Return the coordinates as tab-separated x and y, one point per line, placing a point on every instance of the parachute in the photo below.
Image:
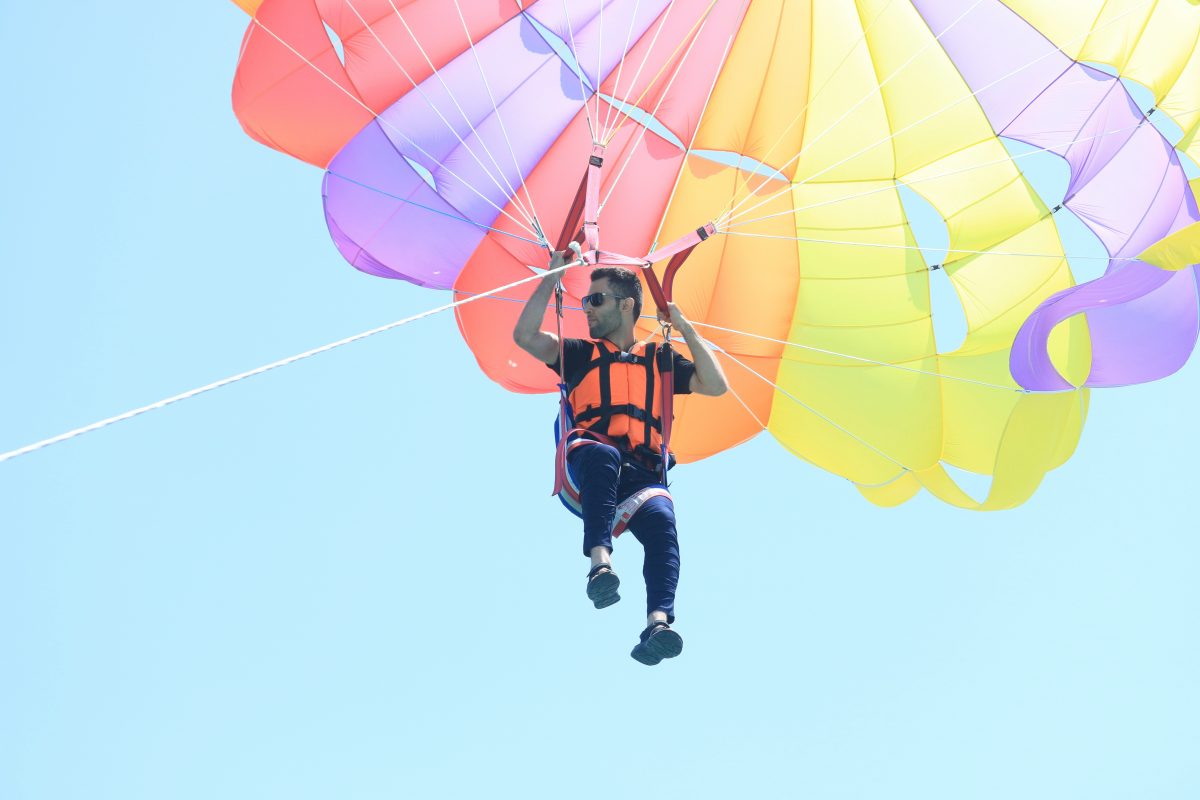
458	135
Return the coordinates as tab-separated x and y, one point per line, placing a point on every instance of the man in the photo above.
608	378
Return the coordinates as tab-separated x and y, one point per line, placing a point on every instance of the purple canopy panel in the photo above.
1127	186
375	213
389	219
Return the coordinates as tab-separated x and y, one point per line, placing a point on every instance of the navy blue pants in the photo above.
603	482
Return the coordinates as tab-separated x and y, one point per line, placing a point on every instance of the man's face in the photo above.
606	319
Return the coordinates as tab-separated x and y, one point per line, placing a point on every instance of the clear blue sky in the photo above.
346	579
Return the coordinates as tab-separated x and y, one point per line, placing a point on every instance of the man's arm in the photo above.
528	334
709	378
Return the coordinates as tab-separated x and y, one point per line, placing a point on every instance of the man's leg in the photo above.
654	527
597	469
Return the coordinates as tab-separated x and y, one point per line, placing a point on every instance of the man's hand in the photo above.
709	378
672	316
560	257
540	344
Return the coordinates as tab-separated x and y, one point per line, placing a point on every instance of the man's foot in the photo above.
602	586
657	642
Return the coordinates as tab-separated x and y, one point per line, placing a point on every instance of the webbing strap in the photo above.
569	441
666	371
591	213
570	228
605	388
650	420
682	243
631	505
628	410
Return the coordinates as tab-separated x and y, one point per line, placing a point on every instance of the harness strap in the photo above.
605	388
591	213
666	369
629	410
648	416
628	507
568	442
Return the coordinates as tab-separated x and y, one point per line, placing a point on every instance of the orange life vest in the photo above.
620	396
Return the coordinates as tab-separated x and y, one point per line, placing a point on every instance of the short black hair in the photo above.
625	283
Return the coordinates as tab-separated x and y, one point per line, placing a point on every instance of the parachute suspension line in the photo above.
638	73
878	90
873	362
620	68
695	132
744	404
903	470
693	35
600	62
370	188
812	410
578	70
500	119
884	246
564	423
383	122
807	103
507	188
275	365
939	176
666	91
242	49
834	353
730	216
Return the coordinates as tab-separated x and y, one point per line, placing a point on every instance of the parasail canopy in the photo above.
455	137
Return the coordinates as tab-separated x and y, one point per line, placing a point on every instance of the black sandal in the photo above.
657	642
602	586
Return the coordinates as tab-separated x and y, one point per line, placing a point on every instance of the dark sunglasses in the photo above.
596	299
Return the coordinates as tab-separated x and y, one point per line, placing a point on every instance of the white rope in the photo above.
744	404
939	176
812	410
695	132
730	216
807	103
869	95
578	70
599	59
638	73
693	34
620	68
666	90
383	121
903	470
507	188
919	248
499	118
871	361
268	367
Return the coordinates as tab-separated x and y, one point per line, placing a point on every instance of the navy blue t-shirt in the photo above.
578	353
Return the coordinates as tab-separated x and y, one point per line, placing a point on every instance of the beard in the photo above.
599	328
